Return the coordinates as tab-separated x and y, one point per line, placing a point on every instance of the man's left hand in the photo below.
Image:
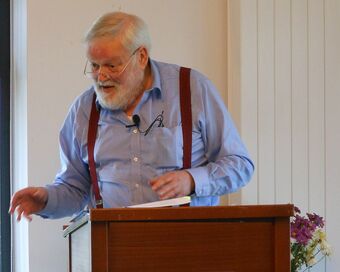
173	184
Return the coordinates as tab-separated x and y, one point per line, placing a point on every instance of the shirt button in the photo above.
135	159
135	131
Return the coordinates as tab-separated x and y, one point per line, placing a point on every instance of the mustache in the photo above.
101	84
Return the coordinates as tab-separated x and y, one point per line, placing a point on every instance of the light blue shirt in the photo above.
127	160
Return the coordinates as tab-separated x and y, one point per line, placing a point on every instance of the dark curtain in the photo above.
5	230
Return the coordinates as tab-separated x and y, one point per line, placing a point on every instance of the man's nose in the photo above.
102	75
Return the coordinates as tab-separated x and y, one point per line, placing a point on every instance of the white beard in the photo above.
119	98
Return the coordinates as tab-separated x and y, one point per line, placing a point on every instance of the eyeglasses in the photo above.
92	70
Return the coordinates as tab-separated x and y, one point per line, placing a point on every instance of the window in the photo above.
5	230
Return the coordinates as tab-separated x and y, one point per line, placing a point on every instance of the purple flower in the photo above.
301	231
302	228
316	220
296	210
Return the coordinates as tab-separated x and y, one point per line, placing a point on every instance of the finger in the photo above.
13	207
168	190
16	199
20	204
24	209
19	213
160	181
157	184
27	216
169	194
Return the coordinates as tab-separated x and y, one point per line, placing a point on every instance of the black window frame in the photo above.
5	86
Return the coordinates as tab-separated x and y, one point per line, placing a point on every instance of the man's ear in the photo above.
143	57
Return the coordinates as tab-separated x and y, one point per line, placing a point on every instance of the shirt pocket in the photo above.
163	148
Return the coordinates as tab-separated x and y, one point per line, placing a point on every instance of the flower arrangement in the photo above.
308	240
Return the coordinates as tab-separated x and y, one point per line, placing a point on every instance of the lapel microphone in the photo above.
136	123
135	120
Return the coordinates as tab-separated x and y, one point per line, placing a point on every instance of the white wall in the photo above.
284	78
47	75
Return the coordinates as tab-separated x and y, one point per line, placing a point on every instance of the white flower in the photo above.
319	235
311	261
325	248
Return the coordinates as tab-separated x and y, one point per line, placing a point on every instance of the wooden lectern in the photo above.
223	238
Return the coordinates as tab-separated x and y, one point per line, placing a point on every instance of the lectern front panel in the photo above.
191	246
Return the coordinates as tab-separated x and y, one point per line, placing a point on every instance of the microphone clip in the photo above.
135	120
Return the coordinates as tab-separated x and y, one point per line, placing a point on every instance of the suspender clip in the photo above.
99	203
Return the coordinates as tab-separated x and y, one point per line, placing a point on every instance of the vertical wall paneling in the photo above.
249	91
300	100
233	69
316	110
332	127
266	101
288	105
316	106
283	99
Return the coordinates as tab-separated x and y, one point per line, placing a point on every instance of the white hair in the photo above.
130	29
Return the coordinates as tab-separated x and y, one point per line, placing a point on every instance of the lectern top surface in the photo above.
192	213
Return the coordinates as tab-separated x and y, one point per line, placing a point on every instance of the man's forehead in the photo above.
108	48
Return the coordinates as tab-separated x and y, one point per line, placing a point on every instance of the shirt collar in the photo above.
156	84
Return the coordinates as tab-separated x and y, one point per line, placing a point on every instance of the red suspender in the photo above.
185	104
185	100
91	140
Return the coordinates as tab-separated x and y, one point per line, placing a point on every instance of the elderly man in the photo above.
125	141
